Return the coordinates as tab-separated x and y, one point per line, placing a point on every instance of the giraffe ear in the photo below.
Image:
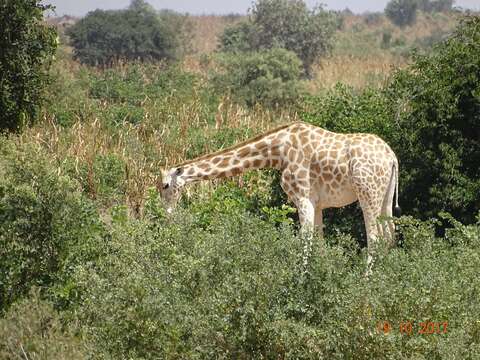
179	171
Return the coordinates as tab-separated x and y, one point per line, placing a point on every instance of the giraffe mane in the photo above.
234	147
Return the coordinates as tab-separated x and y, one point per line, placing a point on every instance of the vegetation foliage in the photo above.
137	33
435	5
402	12
286	24
27	49
91	266
270	77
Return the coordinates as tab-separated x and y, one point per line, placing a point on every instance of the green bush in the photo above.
121	94
238	289
102	178
373	18
344	109
437	107
270	78
27	47
287	24
32	329
46	226
136	83
402	12
66	96
137	33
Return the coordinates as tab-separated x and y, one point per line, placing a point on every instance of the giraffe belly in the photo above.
326	195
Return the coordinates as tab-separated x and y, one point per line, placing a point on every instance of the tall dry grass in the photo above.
171	132
206	30
354	71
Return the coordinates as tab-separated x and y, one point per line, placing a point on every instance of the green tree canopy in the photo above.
137	33
439	128
402	12
26	47
269	77
285	24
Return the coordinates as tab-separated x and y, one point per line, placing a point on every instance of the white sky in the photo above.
81	7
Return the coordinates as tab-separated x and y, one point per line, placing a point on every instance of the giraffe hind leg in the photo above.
373	229
371	204
388	226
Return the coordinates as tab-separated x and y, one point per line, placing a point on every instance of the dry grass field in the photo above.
358	57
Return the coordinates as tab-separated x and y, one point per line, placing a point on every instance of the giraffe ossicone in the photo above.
320	169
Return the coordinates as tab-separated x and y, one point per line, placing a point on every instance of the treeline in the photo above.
103	38
404	12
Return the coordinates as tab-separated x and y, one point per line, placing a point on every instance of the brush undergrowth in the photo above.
215	280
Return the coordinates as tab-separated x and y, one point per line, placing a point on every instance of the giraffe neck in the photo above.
265	152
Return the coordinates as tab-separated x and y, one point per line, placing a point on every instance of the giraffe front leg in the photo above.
299	196
306	212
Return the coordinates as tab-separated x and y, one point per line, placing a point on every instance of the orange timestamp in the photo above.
412	327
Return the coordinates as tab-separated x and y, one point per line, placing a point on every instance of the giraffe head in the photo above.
170	186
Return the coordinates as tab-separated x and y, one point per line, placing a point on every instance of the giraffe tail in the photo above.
397	211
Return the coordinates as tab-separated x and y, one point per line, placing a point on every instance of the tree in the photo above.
438	137
285	24
269	77
137	33
435	5
402	12
27	46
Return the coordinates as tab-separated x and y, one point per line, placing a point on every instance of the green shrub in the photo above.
287	24
402	12
237	38
46	226
238	289
27	47
437	107
137	33
386	39
344	109
109	176
103	178
135	83
122	94
270	78
32	329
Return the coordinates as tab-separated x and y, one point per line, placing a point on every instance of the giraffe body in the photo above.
320	169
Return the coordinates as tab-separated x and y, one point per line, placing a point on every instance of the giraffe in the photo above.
319	169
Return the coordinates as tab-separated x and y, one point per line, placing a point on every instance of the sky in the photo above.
196	7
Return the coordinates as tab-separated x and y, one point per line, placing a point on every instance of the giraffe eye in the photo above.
165	186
